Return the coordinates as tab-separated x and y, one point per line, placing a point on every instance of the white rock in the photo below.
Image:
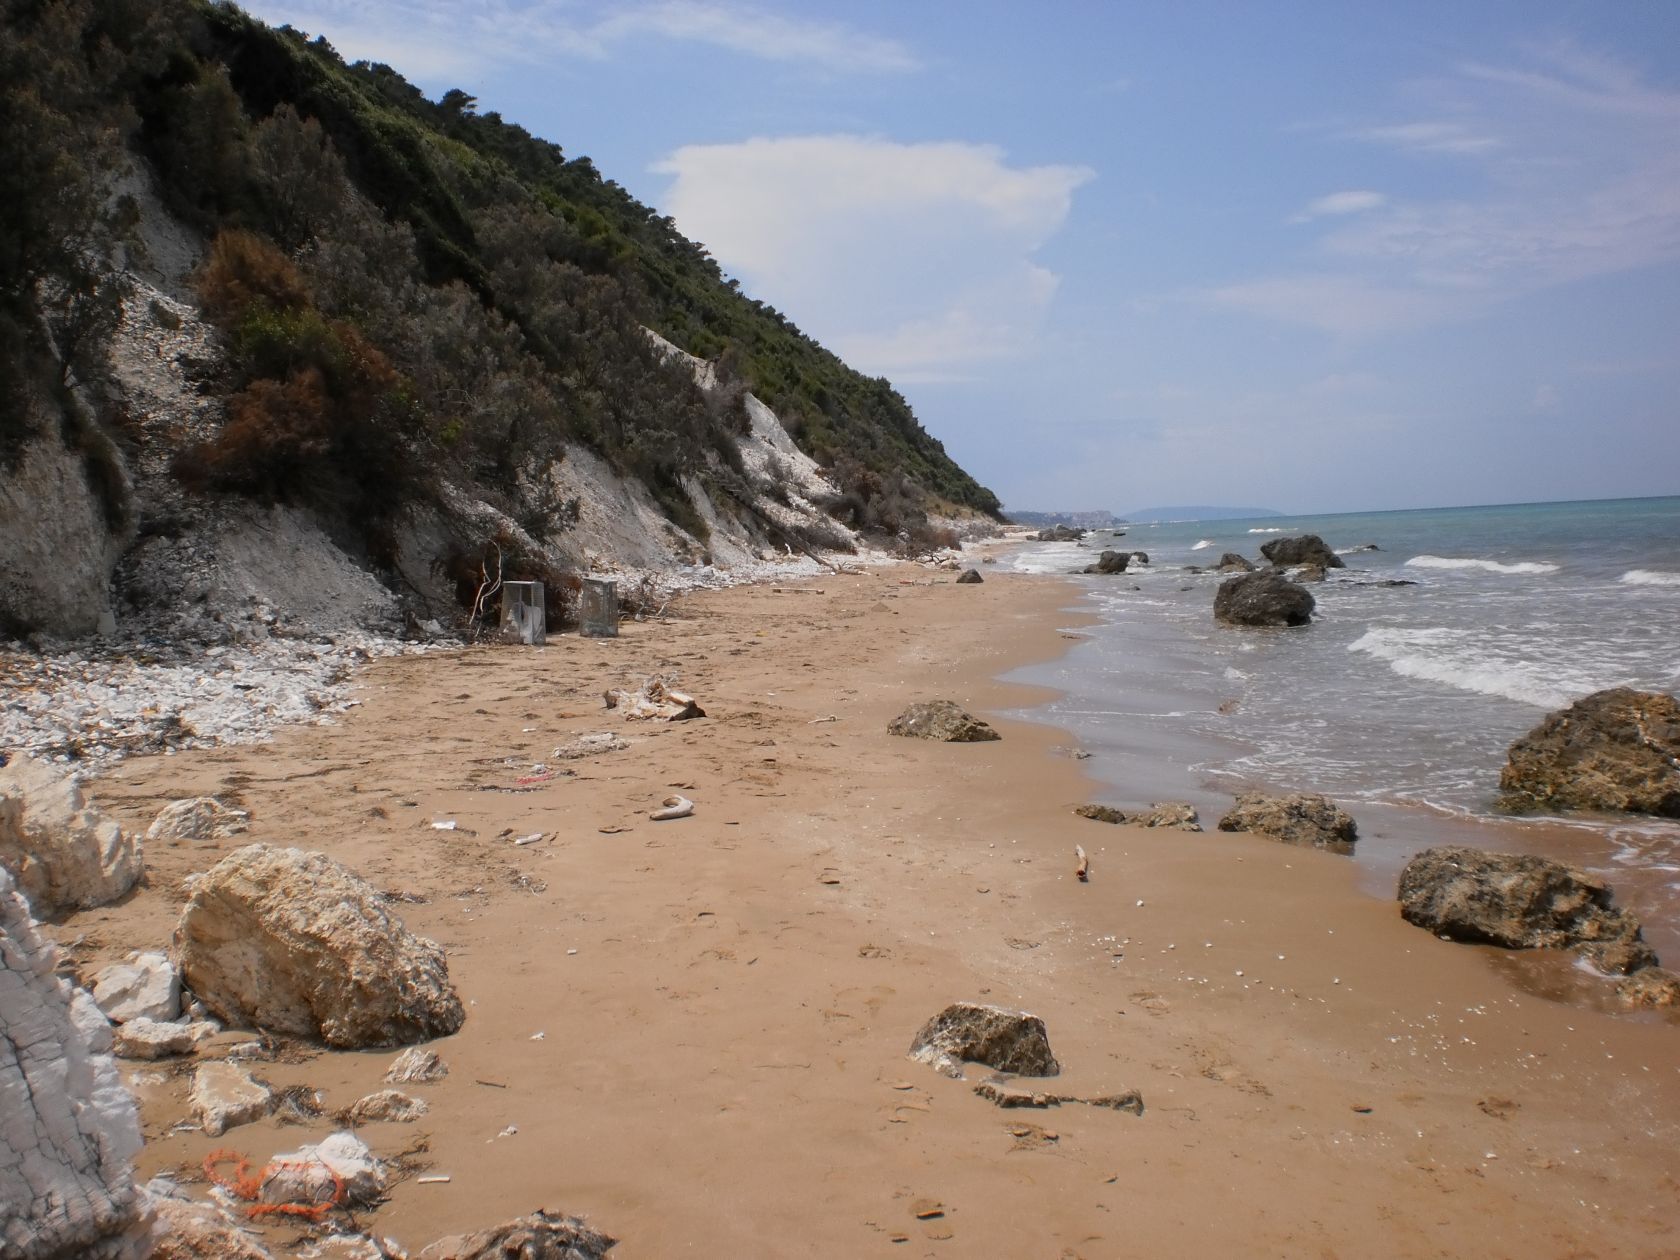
386	1104
198	818
146	987
68	1129
199	1231
150	1039
307	1175
293	941
416	1065
224	1096
63	853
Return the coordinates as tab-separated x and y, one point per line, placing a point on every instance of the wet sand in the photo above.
721	1064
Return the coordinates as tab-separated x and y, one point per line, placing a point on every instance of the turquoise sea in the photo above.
1398	701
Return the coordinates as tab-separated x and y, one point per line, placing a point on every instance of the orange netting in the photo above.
243	1184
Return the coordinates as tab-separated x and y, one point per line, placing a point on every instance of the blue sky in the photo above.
1316	256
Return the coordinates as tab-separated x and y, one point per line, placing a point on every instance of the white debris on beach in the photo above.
102	703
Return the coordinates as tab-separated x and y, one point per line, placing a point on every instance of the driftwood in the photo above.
673	807
1083	870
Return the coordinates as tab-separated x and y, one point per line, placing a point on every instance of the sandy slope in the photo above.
721	1069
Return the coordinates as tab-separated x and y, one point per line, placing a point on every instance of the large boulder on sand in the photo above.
1262	599
1613	750
942	720
1307	549
68	1128
1303	818
64	854
292	941
969	1032
1520	902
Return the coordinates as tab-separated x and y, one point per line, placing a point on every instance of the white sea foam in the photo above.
1273	530
1650	577
1459	658
1490	566
1206	542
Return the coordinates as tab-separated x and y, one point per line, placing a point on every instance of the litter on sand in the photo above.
673	807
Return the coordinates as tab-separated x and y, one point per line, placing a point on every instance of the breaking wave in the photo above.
1490	566
1650	577
1458	659
1273	530
1206	542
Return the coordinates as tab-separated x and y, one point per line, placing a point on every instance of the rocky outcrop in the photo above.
1059	533
1614	750
147	986
1303	818
1306	549
292	941
68	1128
543	1235
1231	562
196	820
941	720
969	1032
1262	599
64	853
1519	901
1173	814
969	577
1109	562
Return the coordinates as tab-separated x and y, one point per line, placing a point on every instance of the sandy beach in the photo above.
693	1032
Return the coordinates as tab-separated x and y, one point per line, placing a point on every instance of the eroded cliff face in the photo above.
69	1130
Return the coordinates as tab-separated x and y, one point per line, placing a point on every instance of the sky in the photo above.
1318	257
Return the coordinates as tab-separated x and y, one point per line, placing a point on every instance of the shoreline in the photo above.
723	1057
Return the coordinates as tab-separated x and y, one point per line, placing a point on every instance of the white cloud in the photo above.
437	39
911	259
1573	173
1354	201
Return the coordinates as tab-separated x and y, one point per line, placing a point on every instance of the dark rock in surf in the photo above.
1109	562
1614	750
1304	818
1262	599
1233	563
1654	988
1307	573
1519	901
1059	533
1307	549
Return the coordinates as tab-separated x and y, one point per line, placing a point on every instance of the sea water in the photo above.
1396	696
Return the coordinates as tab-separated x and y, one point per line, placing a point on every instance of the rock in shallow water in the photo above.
1262	599
1520	902
293	941
1304	818
1613	750
969	1032
1306	549
941	720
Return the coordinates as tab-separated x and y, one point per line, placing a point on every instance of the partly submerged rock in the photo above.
68	1129
223	1097
1266	598
1613	750
1109	562
1303	818
543	1235
942	720
1173	814
1307	573
63	852
416	1065
1654	988
292	941
197	819
147	986
969	1032
1231	562
1520	901
1305	549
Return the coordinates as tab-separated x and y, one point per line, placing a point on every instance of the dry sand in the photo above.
721	1063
